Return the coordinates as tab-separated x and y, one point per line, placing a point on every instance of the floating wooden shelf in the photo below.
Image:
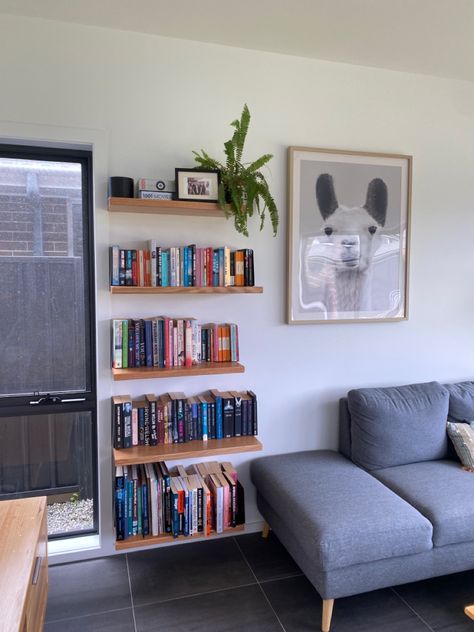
138	540
165	207
189	450
205	368
124	289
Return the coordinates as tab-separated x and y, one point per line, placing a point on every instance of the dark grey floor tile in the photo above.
441	601
87	588
187	569
223	611
117	621
299	608
267	556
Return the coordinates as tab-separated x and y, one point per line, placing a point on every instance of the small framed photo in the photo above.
197	186
349	236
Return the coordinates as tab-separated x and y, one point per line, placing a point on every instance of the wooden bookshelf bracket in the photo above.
138	540
124	289
165	207
205	368
188	450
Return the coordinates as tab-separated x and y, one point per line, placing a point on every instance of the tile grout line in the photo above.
199	594
281	577
131	594
412	609
259	584
84	616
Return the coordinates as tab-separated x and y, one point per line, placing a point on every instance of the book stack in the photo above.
181	266
163	342
152	499
175	418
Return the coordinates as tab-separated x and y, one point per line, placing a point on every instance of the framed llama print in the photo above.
349	235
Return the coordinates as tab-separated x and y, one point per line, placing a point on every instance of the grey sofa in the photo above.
392	506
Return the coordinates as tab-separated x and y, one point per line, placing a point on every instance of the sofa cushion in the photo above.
461	401
398	425
462	436
340	514
440	490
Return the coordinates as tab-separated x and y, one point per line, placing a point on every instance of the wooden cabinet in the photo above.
23	565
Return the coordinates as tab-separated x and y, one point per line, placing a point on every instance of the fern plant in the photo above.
243	188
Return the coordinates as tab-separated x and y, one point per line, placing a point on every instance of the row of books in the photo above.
152	499
175	418
163	342
185	266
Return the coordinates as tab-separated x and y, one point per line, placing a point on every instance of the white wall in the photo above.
146	102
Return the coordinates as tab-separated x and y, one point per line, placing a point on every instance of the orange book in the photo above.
220	355
239	268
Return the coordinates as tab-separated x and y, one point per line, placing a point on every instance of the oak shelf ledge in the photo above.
205	368
188	450
130	289
148	540
165	207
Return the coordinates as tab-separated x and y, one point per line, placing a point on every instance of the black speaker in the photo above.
120	187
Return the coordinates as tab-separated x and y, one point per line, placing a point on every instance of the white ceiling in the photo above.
426	36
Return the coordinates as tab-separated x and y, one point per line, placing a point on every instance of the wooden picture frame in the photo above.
197	185
348	236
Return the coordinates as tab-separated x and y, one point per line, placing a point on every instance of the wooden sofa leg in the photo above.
265	530
328	605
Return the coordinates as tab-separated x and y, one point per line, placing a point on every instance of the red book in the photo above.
210	256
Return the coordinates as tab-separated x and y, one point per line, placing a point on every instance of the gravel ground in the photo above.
70	516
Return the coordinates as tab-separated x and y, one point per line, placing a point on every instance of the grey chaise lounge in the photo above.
393	506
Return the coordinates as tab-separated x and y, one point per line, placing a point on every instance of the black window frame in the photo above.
20	405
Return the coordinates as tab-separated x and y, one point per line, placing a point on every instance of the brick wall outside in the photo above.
46	208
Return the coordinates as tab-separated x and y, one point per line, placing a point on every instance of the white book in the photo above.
117	344
196	342
134	426
153	491
152	249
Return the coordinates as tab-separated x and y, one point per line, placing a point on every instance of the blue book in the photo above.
174	509
215	268
192	264
185	279
119	504
130	506
204	420
219	425
195	420
148	343
127	423
165	268
128	268
221	266
141	425
114	265
145	516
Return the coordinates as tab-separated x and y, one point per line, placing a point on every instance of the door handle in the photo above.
54	399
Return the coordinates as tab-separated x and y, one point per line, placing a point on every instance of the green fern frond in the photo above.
245	185
256	164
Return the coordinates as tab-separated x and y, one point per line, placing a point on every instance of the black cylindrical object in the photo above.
120	187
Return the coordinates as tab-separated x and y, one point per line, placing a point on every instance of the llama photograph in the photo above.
348	236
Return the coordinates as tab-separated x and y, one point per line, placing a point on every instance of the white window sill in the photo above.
71	547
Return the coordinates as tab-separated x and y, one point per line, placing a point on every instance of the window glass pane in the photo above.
51	455
43	309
